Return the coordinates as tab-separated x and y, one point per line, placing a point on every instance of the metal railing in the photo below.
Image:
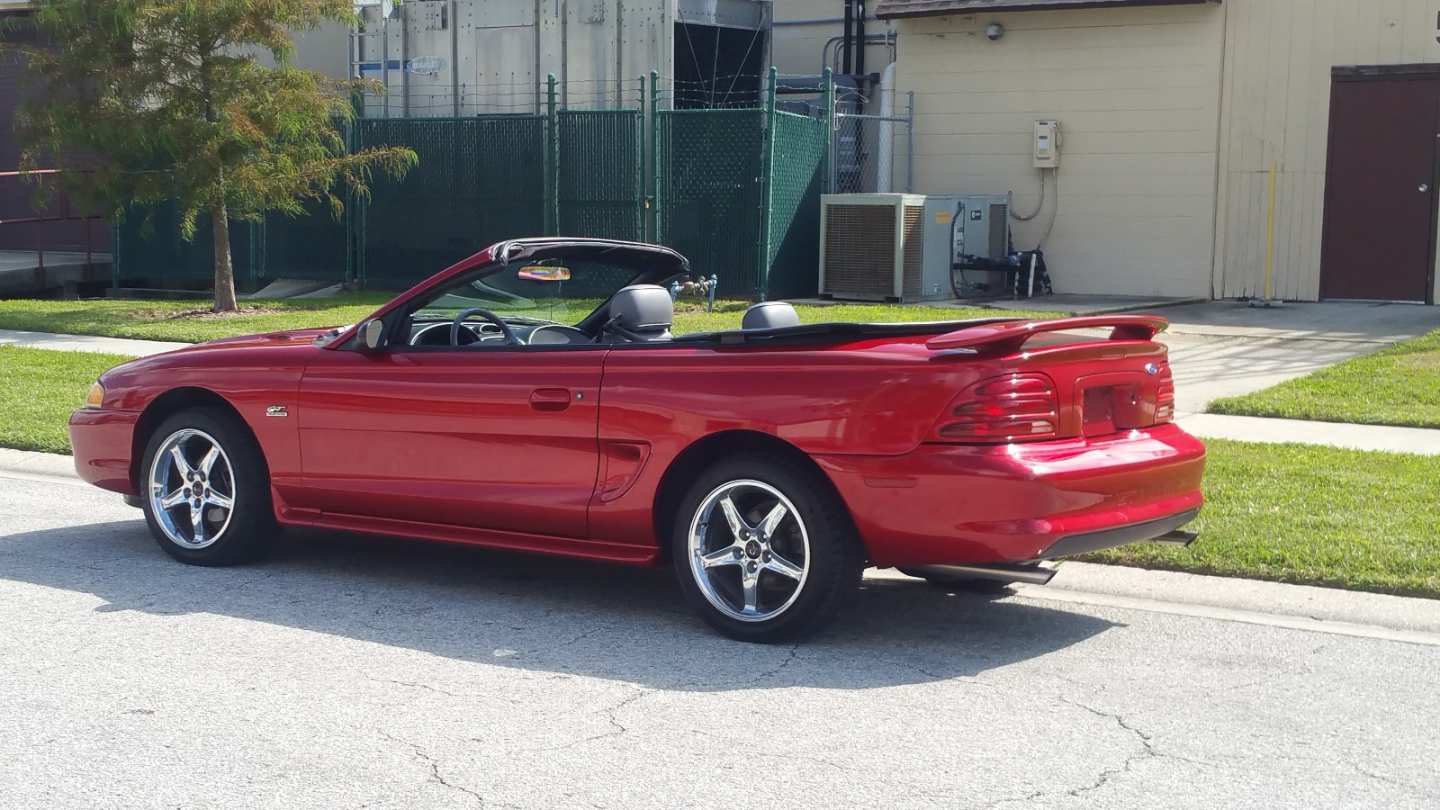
870	153
27	232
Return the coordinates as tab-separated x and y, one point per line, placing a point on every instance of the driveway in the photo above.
350	674
1225	348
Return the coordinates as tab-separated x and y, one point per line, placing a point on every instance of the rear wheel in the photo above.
205	490
764	550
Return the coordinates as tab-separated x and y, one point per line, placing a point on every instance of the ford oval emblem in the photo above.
1152	369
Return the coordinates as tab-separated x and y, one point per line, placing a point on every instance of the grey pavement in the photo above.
86	343
1225	348
360	673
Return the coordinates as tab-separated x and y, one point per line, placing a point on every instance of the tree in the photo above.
149	101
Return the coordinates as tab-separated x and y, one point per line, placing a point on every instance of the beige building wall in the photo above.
1137	95
1279	55
802	27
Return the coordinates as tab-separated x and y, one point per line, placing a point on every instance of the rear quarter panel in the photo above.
872	398
876	398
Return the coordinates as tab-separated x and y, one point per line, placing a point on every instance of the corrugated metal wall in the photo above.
499	51
1278	60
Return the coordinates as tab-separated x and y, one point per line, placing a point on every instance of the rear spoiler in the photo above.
1009	336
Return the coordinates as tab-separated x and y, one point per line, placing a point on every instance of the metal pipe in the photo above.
385	62
910	145
620	55
884	163
404	59
1029	574
455	58
860	38
845	36
834	62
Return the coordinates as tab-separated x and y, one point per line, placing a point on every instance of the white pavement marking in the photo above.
86	343
1420	441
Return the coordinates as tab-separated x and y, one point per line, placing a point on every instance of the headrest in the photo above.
642	307
770	315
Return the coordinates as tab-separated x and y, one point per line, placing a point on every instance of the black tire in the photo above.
251	527
835	561
958	583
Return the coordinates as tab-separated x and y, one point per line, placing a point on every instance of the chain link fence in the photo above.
872	152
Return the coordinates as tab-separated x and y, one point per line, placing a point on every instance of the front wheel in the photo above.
205	489
764	550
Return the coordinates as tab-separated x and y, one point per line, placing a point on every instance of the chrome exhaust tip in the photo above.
1029	574
1177	538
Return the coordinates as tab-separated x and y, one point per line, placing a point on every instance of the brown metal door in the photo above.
1381	188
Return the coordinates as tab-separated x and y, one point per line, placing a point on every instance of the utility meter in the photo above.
1047	144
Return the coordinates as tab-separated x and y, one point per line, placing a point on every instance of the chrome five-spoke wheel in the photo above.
192	488
749	550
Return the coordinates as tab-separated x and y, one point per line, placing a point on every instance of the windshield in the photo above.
559	291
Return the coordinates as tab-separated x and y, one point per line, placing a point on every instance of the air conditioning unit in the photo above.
905	247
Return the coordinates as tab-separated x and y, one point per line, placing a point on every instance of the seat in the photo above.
769	315
640	313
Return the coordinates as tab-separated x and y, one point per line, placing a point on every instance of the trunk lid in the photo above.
1107	375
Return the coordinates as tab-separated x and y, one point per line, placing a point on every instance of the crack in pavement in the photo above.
434	764
770	673
415	685
1147	751
616	727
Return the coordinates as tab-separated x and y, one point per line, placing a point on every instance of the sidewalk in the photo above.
1420	441
86	343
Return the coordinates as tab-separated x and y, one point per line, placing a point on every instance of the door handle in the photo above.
550	399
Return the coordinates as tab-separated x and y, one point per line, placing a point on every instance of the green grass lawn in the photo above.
190	321
38	390
186	321
1315	515
1396	386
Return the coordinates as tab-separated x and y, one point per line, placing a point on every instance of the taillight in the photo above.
1013	408
1165	395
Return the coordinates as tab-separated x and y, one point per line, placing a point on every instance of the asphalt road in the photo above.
352	674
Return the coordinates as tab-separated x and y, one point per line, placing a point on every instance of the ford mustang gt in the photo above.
533	397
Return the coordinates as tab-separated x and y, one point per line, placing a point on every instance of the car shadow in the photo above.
541	614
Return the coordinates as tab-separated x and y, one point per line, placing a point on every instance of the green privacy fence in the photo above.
149	245
479	180
736	190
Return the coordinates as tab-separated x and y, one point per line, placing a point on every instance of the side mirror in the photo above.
372	334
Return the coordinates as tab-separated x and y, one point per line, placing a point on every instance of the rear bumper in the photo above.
102	444
952	504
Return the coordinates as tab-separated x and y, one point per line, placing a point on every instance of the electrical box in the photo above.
1047	144
908	247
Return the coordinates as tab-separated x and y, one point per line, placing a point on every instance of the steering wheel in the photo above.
459	321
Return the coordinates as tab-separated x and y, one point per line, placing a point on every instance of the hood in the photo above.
289	337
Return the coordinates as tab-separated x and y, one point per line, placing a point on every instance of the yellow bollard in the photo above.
1270	239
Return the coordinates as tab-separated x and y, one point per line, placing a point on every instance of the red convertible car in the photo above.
532	397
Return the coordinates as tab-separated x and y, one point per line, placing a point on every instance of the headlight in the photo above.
96	396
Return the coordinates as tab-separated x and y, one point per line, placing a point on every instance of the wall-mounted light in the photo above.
994	31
